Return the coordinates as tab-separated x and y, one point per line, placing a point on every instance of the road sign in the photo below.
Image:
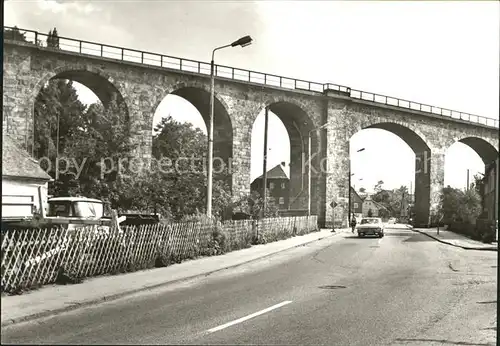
333	204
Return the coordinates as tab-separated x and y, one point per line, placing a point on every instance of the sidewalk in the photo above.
53	299
458	240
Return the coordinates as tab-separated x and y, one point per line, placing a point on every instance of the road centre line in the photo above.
239	320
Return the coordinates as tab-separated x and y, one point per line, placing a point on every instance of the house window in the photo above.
355	205
283	185
271	186
282	200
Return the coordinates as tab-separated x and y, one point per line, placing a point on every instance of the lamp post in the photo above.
309	167
264	175
243	42
349	209
349	188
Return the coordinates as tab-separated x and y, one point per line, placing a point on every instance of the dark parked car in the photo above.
241	216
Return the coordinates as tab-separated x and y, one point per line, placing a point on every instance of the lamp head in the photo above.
243	42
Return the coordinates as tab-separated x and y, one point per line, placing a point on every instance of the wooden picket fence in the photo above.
32	258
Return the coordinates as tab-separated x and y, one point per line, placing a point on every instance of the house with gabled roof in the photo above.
370	205
24	182
277	185
356	203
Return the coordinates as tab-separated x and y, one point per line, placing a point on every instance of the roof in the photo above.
377	204
276	172
74	199
355	193
17	163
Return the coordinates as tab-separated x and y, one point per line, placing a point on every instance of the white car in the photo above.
370	226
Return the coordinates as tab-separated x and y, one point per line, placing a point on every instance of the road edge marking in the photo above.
243	319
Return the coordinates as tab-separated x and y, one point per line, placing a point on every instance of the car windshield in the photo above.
89	210
367	221
85	209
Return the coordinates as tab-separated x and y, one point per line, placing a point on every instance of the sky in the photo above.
440	53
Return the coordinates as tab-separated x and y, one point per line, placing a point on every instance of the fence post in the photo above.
80	45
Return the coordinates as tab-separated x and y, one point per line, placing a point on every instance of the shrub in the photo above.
162	260
198	217
253	204
219	244
485	230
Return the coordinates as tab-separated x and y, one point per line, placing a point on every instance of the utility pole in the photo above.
57	148
403	204
264	189
411	192
467	180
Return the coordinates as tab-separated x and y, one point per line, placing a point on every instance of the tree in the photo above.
53	39
478	186
86	136
14	34
100	143
184	146
470	206
384	213
50	39
396	201
459	206
378	186
362	190
253	204
94	143
56	107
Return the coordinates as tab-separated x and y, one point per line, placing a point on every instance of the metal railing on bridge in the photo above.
193	66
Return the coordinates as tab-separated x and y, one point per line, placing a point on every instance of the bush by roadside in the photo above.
485	230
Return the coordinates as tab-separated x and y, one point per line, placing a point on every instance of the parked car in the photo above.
370	226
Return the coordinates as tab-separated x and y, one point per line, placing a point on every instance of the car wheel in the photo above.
360	235
381	235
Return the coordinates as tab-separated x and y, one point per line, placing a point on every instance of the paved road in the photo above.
403	289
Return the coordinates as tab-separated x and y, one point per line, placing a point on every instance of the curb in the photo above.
97	301
455	245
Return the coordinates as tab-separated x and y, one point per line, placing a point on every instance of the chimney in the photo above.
283	163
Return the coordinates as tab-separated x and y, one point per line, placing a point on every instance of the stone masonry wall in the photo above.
142	88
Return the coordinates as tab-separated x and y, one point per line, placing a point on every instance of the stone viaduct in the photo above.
142	80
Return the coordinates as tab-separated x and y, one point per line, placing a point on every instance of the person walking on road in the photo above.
353	223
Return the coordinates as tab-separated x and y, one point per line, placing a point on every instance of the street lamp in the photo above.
349	187
243	42
309	167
